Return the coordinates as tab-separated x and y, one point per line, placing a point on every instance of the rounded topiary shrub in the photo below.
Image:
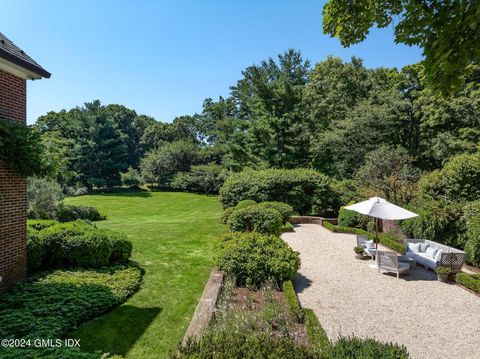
285	210
245	203
68	213
226	214
253	258
257	219
305	190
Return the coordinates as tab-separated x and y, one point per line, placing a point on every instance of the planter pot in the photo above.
442	277
359	255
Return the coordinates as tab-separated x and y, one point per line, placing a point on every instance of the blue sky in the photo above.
163	58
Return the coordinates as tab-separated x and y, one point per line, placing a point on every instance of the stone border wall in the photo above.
311	219
206	305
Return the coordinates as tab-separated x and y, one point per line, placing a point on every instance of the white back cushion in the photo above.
431	252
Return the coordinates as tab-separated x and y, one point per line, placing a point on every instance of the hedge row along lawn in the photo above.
173	237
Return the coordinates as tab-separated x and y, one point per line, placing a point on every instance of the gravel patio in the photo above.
432	319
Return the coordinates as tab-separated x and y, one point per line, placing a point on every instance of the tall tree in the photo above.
448	32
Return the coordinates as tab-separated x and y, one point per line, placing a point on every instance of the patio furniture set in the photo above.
428	253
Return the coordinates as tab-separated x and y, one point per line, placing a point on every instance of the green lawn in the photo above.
173	237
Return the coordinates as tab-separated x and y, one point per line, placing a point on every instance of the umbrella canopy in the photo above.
379	208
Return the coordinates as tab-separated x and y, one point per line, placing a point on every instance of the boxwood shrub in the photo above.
226	214
292	300
257	219
285	209
51	304
68	213
347	218
74	244
245	203
471	281
252	258
307	191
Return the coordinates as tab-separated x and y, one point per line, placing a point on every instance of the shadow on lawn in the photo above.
117	331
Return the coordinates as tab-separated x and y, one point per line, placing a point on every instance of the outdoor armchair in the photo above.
389	262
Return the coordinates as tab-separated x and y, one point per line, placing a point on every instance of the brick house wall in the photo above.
13	198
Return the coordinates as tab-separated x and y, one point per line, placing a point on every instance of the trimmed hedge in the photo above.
226	215
51	304
245	203
315	332
74	244
366	348
307	191
69	213
285	209
471	281
253	258
388	239
255	219
292	301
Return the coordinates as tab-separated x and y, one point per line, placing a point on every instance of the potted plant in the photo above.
359	252
442	273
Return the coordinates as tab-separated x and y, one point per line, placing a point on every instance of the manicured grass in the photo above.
173	237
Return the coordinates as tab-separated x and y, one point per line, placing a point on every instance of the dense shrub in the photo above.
366	348
458	180
75	244
347	218
68	213
245	203
257	219
226	214
472	220
201	178
305	190
43	198
39	224
131	178
230	344
292	300
285	210
471	281
254	258
51	304
439	221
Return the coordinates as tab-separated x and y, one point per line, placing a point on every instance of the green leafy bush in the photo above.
458	180
285	209
257	219
292	301
471	215
51	304
220	344
245	203
131	178
305	190
43	197
471	281
201	178
69	213
75	244
366	348
21	148
226	214
39	224
439	221
254	258
347	218
315	332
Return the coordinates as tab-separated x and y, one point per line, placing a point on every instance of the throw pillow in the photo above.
369	244
424	247
431	252
414	247
438	255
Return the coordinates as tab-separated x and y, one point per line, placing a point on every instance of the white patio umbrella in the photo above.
379	208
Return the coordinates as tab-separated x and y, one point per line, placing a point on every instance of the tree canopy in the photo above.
448	32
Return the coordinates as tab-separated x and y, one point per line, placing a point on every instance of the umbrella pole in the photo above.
376	234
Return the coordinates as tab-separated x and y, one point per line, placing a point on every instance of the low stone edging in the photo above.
206	305
311	219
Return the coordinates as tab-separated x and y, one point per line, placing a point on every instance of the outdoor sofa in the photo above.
431	254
